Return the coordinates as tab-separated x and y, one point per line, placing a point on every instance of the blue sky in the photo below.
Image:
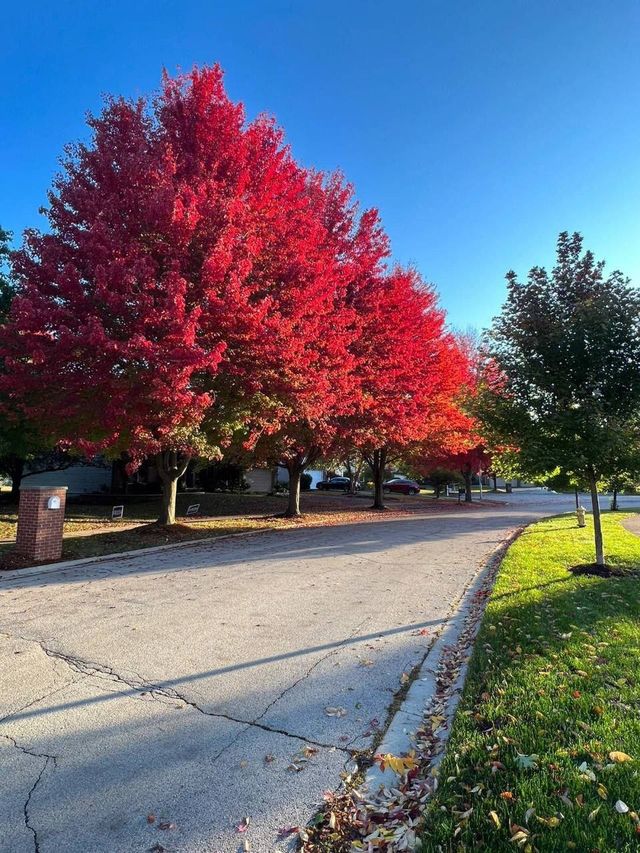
479	129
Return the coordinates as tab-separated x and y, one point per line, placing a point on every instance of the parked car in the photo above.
402	485
341	483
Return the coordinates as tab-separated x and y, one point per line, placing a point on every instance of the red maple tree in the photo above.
197	284
151	319
307	374
410	371
467	452
472	460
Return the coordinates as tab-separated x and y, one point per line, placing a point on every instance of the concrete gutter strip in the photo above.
400	737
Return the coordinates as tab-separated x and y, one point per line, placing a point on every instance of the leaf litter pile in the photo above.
389	819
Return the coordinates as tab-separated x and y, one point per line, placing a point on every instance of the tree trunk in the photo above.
467	486
355	474
378	463
171	466
16	472
614	502
119	477
597	523
495	483
169	495
437	489
293	506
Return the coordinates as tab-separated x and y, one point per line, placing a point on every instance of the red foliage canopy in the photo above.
192	273
312	377
410	369
196	281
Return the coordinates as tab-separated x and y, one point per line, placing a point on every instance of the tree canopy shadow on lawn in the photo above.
554	681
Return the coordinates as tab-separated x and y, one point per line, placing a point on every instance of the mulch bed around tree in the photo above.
597	569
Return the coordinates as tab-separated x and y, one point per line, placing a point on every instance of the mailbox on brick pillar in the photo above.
40	522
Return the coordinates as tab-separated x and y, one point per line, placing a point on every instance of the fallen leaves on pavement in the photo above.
356	820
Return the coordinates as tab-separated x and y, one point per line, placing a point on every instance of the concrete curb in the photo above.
400	736
30	571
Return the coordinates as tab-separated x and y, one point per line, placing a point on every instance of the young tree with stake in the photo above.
567	345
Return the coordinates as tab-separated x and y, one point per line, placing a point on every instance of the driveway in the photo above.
154	702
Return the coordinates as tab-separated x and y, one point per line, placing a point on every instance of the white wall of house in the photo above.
316	476
79	479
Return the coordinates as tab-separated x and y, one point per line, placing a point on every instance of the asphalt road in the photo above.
162	699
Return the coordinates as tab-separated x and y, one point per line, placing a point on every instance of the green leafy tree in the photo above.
440	478
19	442
15	441
625	474
566	347
504	464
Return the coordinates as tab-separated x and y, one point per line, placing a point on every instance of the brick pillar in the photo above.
40	522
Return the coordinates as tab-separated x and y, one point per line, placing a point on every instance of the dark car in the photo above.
402	485
341	483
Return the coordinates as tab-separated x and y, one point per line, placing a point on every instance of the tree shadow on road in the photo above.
307	544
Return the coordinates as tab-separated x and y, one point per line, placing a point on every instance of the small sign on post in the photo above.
117	512
193	509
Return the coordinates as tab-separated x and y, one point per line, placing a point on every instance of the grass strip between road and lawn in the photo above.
544	752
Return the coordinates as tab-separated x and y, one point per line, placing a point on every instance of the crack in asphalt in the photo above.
25	809
320	660
93	669
298	681
35	701
38	699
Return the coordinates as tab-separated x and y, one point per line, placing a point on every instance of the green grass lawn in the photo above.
553	692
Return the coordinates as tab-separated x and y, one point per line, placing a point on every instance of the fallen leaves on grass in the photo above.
527	762
619	757
533	676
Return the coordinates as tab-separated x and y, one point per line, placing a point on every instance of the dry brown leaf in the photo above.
619	757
